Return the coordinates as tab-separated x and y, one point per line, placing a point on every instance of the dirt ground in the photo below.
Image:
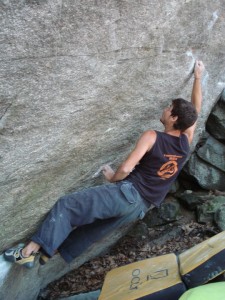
137	245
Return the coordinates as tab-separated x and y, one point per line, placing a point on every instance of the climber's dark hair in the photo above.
186	113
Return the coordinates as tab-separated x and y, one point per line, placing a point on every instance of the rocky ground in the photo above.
140	243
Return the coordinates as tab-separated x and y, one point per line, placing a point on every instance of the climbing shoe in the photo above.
14	255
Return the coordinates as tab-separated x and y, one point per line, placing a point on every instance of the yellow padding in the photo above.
200	253
204	261
141	278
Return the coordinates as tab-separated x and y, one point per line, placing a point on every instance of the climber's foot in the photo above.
15	255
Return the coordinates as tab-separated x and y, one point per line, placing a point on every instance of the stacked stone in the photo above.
207	164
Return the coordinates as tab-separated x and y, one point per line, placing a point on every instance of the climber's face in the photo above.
166	115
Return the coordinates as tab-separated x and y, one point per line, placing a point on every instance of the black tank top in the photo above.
159	167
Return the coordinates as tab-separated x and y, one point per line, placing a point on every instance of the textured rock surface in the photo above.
80	81
206	212
207	165
89	296
207	176
219	218
167	213
216	121
191	199
213	152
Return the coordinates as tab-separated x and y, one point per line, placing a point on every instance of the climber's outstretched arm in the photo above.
196	96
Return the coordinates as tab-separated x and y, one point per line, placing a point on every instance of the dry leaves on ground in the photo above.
90	276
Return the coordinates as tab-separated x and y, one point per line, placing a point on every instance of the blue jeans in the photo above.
81	218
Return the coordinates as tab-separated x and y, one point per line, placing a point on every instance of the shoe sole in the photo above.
27	262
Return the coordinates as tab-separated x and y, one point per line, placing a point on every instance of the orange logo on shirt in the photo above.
169	168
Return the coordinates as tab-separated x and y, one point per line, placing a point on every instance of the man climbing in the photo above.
140	183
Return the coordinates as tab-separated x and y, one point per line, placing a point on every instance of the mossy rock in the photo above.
206	211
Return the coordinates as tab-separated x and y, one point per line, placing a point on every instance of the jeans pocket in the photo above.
127	190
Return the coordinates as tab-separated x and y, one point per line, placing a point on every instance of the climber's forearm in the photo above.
196	97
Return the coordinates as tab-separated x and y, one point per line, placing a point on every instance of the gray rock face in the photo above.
80	81
191	199
216	121
213	152
207	176
167	213
219	217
